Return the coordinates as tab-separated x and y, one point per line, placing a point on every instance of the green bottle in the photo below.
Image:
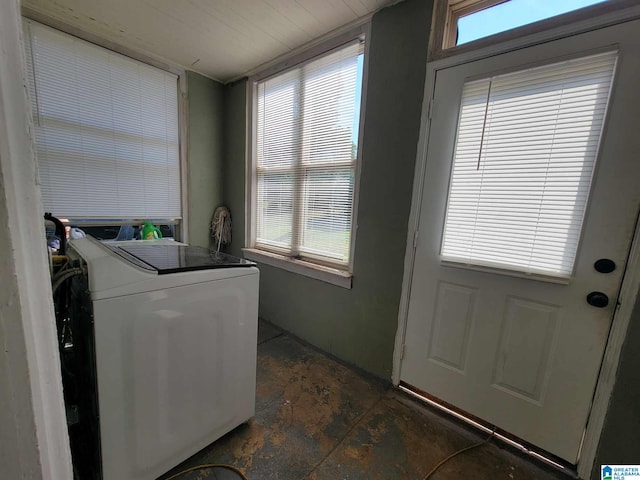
150	231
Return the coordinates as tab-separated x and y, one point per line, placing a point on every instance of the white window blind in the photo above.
306	149
524	157
106	130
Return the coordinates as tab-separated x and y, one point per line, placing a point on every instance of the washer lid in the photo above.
172	258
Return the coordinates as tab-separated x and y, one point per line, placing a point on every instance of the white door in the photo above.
498	330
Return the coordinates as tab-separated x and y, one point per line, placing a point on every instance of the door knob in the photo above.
604	265
598	299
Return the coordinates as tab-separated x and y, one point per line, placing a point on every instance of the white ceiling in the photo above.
222	39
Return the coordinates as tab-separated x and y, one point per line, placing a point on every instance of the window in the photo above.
483	19
305	151
106	131
458	23
524	156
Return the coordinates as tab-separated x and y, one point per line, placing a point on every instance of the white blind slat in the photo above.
523	161
106	130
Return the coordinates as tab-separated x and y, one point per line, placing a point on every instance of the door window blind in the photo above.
106	130
523	161
306	149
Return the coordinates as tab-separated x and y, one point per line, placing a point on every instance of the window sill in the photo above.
330	275
539	276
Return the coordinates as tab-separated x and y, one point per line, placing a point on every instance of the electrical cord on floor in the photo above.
454	454
211	465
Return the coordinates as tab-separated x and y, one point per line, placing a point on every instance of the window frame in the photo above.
461	8
446	13
181	224
308	265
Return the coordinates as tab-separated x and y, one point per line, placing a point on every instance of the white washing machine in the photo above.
175	330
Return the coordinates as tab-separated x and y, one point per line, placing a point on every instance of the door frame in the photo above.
630	287
34	416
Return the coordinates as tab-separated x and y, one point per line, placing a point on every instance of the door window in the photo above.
525	153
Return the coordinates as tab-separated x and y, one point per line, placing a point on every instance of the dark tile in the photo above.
306	404
396	440
267	331
317	419
315	385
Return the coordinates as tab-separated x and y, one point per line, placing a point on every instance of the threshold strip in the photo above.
501	435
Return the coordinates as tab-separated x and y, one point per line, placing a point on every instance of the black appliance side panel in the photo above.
81	378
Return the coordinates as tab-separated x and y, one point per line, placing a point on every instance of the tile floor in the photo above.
317	419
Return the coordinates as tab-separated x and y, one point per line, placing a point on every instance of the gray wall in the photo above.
204	150
620	440
234	174
356	325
